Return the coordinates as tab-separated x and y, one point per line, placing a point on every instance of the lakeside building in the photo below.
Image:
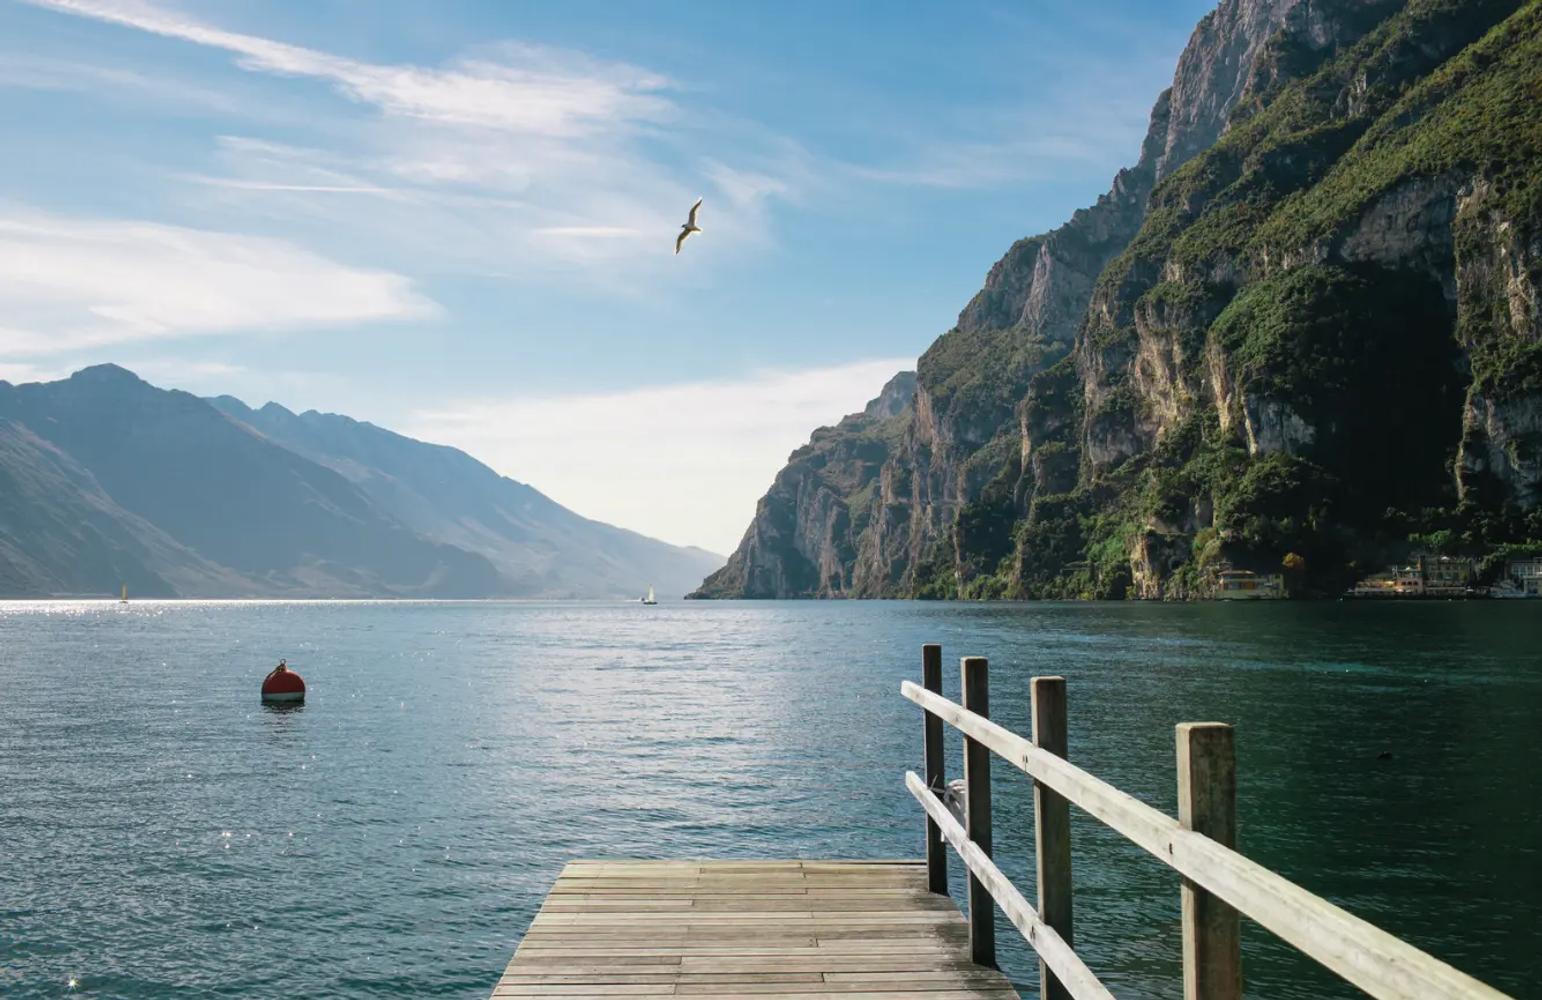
1426	576
1246	585
1447	576
1394	581
1526	573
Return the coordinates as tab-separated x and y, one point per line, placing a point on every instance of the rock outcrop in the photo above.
802	542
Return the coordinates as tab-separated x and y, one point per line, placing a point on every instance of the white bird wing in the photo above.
685	234
691	220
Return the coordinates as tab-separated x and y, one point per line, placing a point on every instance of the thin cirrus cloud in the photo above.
75	283
540	92
121	85
515	158
18	372
694	456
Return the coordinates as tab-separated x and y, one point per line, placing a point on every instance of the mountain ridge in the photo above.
487	512
173	496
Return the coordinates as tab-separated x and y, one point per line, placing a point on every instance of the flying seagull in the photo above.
689	227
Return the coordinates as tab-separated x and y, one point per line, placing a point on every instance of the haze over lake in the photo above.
165	835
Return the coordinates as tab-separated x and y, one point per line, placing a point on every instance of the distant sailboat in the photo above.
123	598
650	599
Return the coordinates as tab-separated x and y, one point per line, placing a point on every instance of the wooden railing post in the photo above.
977	790
936	775
1200	846
1052	825
1207	804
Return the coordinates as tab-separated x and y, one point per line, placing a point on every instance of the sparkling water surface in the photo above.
163	835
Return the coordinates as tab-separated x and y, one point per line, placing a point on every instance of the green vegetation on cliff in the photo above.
1282	361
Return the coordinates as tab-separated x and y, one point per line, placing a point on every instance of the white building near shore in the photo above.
1527	574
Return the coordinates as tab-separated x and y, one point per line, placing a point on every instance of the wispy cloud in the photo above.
17	372
587	232
178	373
695	456
520	88
123	85
75	283
486	202
513	158
241	184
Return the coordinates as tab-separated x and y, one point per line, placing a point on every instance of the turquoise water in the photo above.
161	834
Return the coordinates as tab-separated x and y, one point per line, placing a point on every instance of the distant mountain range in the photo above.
106	480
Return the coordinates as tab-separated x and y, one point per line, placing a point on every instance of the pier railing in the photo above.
1219	885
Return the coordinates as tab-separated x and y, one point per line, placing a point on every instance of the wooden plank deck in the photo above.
772	930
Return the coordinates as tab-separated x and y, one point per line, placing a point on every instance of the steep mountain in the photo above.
1305	322
538	546
802	540
107	480
277	522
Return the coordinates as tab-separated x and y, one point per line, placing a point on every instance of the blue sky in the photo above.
457	219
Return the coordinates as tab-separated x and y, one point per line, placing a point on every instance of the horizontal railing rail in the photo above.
1051	947
1372	959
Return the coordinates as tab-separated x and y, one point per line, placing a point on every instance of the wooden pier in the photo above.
887	930
863	930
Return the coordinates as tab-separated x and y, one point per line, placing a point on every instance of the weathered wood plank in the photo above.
708	932
1052	826
887	994
749	902
936	771
977	782
905	979
631	928
1207	804
586	990
845	991
630	964
539	978
686	918
595	954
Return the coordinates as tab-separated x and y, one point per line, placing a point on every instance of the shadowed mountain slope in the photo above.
540	547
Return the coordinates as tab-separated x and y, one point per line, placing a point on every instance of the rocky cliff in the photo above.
1304	322
803	540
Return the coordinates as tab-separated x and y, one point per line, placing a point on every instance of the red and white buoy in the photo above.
283	685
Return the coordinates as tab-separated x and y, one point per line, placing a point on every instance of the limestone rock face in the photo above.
1502	441
1498	287
1218	65
802	541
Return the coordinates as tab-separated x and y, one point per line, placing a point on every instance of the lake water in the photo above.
161	834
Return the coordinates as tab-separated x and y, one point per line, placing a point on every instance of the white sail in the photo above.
650	595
